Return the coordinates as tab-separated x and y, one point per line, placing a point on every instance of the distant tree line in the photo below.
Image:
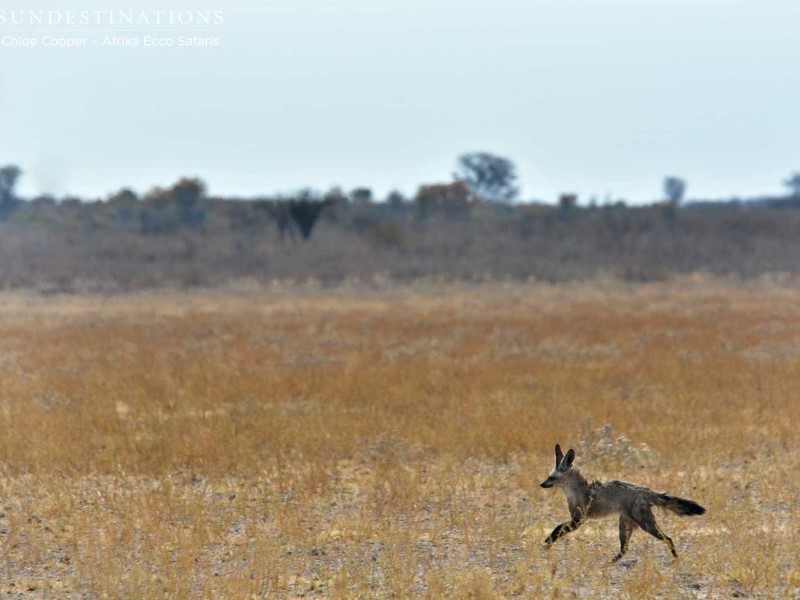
471	227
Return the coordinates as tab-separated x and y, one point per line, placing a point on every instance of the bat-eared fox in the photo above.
633	503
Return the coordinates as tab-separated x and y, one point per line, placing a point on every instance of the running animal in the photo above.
633	503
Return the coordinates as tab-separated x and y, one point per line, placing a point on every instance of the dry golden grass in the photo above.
389	443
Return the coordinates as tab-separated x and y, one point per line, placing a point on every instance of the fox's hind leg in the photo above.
626	525
647	521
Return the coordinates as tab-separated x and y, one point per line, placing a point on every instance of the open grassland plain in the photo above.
377	443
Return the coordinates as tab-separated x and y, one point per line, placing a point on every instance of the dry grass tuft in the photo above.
373	443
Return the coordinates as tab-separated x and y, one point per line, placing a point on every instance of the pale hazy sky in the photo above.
596	97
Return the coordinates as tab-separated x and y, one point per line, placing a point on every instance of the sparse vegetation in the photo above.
381	441
458	231
127	244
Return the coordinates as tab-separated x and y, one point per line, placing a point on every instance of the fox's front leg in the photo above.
562	530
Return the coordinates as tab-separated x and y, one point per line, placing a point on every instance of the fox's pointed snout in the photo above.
562	468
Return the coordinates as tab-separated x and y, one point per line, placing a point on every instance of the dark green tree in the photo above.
489	178
793	183
674	189
9	176
361	195
187	194
305	209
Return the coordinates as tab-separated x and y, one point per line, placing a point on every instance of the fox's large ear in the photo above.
568	459
559	455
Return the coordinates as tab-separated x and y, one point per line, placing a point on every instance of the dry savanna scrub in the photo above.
389	442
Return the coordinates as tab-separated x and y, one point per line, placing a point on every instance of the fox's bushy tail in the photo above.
680	506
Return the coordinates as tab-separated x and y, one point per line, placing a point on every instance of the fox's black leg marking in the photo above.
649	524
562	530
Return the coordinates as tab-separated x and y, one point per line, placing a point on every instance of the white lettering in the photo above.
15	41
64	42
126	41
108	17
198	42
156	42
